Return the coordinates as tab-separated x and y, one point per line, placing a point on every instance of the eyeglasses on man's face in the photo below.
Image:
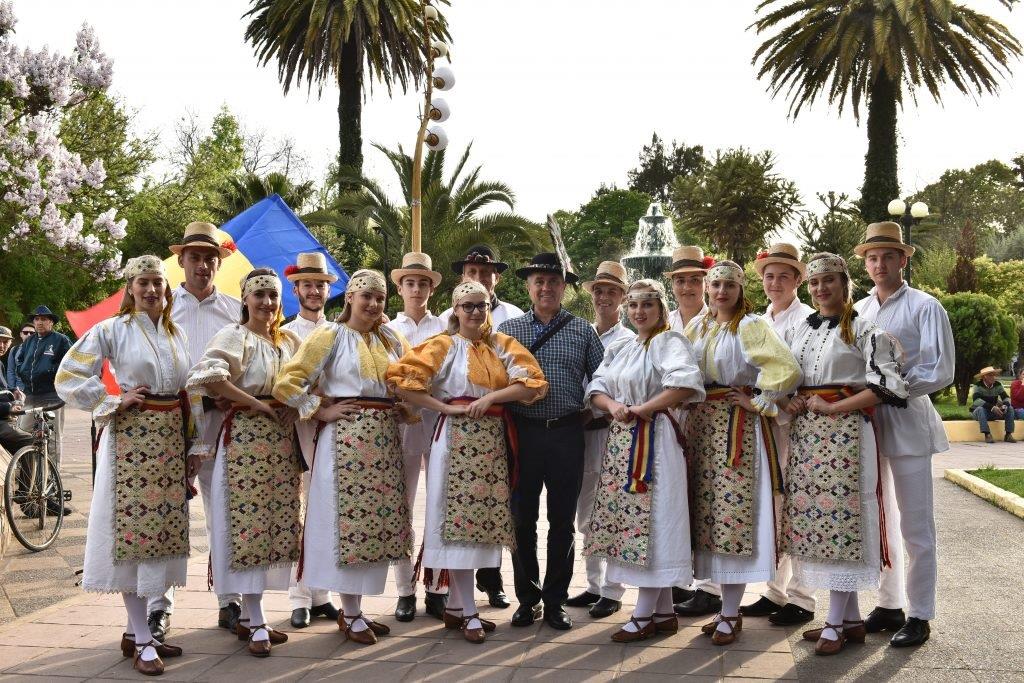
481	307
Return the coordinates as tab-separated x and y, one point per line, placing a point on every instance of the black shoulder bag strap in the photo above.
551	332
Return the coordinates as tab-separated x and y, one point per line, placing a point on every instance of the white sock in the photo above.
138	617
732	596
646	602
253	604
664	605
351	607
460	585
836	611
852	608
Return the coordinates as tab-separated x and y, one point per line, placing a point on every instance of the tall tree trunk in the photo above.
881	184
350	108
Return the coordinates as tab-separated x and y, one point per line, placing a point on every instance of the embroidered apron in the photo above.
374	523
723	470
822	516
263	476
479	480
620	526
150	509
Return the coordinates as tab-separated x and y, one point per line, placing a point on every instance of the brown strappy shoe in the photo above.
378	628
667	627
830	647
473	635
276	637
364	637
735	625
162	649
641	632
853	630
453	622
259	648
154	667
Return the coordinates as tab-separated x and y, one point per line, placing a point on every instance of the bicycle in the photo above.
34	496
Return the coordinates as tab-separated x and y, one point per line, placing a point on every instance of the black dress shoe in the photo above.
495	596
527	614
300	617
228	616
790	615
405	610
762	608
605	607
681	595
557	618
700	604
884	619
914	632
584	599
159	624
326	610
435	604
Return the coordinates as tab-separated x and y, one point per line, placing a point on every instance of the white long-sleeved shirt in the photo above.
921	326
201	320
302	327
417	333
792	316
675	319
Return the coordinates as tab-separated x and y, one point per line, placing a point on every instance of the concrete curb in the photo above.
1001	498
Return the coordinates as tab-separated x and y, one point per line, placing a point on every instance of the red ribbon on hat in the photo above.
708	261
288	270
230	245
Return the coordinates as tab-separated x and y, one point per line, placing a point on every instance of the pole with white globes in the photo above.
437	110
908	217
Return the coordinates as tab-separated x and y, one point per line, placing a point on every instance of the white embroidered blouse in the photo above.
633	371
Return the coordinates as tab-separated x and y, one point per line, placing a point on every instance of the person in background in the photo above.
989	401
26	331
311	285
1017	395
12	439
38	360
786	602
607	290
416	281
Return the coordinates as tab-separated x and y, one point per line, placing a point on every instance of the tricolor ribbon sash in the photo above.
641	452
738	425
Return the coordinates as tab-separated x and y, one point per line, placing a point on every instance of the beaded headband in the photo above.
144	264
829	263
258	282
642	295
465	289
725	271
367	280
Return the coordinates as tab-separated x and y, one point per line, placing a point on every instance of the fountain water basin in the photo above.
655	241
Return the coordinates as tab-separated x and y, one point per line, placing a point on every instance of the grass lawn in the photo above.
949	409
1009	480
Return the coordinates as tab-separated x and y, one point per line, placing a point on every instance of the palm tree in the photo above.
457	213
879	50
320	41
242	191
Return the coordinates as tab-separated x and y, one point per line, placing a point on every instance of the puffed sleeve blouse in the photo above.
450	366
634	371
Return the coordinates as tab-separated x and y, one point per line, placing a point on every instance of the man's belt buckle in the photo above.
550	423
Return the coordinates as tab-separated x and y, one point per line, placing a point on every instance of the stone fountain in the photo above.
651	254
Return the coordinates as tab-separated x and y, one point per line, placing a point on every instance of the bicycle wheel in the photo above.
34	499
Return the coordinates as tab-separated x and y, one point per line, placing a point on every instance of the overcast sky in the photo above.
557	96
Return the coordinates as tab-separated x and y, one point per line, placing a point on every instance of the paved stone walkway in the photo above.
51	629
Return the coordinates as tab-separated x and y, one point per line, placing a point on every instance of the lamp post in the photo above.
437	110
908	217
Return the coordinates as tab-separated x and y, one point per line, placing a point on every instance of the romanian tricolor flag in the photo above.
641	457
268	233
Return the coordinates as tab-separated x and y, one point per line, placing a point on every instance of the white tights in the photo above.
138	624
843	607
460	595
649	601
351	607
252	604
732	596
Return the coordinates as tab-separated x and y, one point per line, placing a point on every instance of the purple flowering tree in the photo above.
40	179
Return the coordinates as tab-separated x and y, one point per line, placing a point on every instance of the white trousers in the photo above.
784	588
910	524
416	440
596	566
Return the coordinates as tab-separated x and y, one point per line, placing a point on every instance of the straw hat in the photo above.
780	252
203	235
689	259
609	273
886	235
987	370
310	266
416	263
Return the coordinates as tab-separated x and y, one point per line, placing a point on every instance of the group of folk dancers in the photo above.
710	448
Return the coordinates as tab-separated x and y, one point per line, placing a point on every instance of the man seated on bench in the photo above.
991	402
